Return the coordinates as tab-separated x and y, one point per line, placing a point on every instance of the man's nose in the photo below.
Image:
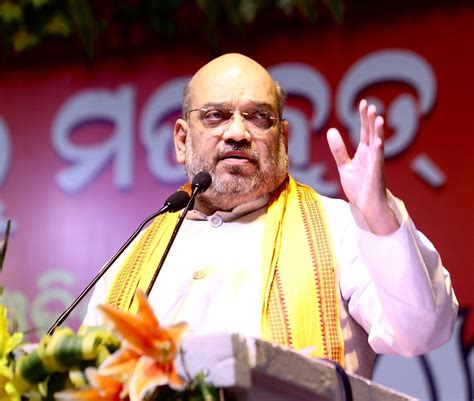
236	129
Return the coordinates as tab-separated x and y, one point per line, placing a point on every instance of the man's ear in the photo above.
284	132
180	133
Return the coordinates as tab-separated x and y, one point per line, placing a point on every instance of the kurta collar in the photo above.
234	214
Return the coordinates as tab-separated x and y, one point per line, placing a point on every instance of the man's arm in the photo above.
396	285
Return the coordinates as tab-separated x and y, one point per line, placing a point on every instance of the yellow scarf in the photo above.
300	297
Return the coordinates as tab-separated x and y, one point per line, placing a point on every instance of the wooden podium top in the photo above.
255	370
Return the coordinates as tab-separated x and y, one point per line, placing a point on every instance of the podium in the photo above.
255	370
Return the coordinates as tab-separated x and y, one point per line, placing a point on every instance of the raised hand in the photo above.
362	177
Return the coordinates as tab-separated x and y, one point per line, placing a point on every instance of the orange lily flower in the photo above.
147	359
103	389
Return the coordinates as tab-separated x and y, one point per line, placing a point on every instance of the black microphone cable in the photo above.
344	383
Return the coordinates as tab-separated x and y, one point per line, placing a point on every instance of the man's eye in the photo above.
261	115
261	119
214	115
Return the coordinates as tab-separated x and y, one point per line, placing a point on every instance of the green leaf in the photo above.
39	3
307	8
84	21
57	25
337	9
23	40
203	4
30	368
54	383
78	378
231	12
248	10
211	9
160	15
285	5
10	12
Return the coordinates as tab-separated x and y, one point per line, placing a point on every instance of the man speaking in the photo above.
267	257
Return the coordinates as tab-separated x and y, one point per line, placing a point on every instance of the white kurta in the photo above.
393	286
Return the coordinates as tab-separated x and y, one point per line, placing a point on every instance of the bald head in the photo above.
238	74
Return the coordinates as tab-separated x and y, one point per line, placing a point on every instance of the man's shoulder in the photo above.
338	214
337	211
336	202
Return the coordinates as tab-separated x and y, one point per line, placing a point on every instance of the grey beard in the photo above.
225	194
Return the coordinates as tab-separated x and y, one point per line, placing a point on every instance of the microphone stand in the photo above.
200	183
169	206
196	190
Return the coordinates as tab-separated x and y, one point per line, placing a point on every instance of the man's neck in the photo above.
211	203
201	212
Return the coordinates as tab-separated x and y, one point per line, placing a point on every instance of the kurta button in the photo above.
199	274
216	220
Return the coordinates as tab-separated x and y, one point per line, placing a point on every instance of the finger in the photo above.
378	141
371	116
337	147
379	127
364	122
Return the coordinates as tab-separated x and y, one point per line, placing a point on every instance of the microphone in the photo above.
201	182
174	203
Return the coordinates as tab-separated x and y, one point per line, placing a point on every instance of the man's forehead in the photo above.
233	80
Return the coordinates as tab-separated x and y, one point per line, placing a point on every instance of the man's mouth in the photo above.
236	156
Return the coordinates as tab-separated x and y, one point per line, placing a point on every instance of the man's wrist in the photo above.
379	219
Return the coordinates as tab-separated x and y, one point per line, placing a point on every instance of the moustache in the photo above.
245	151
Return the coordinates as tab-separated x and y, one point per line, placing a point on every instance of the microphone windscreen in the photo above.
201	181
177	201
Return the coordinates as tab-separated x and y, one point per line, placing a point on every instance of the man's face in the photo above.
245	160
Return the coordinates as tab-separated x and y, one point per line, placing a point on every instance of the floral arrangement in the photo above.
132	360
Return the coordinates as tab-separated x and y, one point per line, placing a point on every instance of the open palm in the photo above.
362	177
